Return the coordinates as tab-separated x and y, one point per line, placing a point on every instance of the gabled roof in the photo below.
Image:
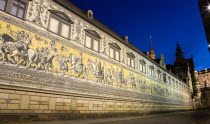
115	45
131	54
62	15
94	33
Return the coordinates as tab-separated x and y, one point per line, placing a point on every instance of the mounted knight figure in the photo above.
96	69
17	48
40	57
77	65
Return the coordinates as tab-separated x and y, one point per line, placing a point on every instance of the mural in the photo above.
24	49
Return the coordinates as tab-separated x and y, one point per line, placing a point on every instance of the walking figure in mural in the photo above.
62	65
108	76
119	76
131	80
77	65
96	69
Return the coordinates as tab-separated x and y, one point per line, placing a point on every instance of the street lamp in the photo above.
209	47
208	7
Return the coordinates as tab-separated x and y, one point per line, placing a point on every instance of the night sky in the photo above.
168	21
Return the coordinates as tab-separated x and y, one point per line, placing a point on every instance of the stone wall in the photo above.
17	100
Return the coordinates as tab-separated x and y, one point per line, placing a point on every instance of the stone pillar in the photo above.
197	91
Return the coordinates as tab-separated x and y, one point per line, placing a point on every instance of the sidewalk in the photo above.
105	119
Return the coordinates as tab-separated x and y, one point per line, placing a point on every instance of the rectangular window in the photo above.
144	68
114	51
95	45
14	10
141	66
129	61
88	42
18	9
92	42
20	13
131	58
132	63
60	24
65	30
3	4
117	55
111	53
54	24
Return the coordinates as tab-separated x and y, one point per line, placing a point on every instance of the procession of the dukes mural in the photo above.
56	58
23	49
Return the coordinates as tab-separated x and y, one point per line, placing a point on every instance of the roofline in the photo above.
118	37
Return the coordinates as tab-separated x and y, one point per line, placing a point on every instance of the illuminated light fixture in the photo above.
209	45
208	7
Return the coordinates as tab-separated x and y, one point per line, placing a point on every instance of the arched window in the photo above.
174	83
177	84
164	78
159	74
151	70
169	80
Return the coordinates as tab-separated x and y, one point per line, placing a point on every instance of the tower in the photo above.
152	51
179	53
185	70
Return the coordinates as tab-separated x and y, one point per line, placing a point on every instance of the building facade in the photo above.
185	70
204	80
56	58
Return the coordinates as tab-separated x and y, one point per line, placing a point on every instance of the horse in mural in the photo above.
11	48
42	57
77	65
16	47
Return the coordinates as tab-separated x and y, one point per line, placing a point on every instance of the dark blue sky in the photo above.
168	21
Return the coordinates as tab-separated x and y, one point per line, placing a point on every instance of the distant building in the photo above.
204	80
185	70
205	98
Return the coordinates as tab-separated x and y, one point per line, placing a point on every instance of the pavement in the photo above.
190	117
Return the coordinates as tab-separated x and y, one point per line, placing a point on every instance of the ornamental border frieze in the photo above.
40	80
